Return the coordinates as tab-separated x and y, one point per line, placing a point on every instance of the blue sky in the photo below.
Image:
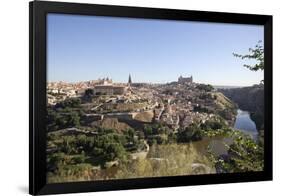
81	48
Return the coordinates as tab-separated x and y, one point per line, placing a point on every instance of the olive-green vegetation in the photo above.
157	133
190	133
70	150
64	114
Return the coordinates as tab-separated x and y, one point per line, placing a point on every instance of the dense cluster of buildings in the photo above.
59	91
172	103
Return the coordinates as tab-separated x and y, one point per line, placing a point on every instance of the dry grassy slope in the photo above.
168	160
223	102
113	123
144	116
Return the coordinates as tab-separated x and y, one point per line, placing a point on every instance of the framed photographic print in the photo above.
131	97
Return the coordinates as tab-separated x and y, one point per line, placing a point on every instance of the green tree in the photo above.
205	87
79	158
212	125
147	130
190	133
131	132
256	53
244	155
73	119
71	102
89	92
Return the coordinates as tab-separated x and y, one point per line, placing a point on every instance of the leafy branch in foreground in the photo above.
244	155
256	53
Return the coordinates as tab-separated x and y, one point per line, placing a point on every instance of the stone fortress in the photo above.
185	80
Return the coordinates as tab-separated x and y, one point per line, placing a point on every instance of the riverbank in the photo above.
245	124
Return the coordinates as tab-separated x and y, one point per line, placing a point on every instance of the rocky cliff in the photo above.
250	99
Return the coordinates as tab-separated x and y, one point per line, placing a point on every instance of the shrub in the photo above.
71	103
244	155
190	133
212	125
205	87
147	130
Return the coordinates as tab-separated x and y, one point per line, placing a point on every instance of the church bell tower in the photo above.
129	80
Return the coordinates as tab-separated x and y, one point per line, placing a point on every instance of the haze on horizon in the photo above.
82	48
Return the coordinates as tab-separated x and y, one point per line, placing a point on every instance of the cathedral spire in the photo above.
130	80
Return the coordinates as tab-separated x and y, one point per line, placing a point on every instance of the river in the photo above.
245	124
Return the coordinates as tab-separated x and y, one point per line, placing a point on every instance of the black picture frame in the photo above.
37	99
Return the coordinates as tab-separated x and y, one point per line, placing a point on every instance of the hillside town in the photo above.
176	104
